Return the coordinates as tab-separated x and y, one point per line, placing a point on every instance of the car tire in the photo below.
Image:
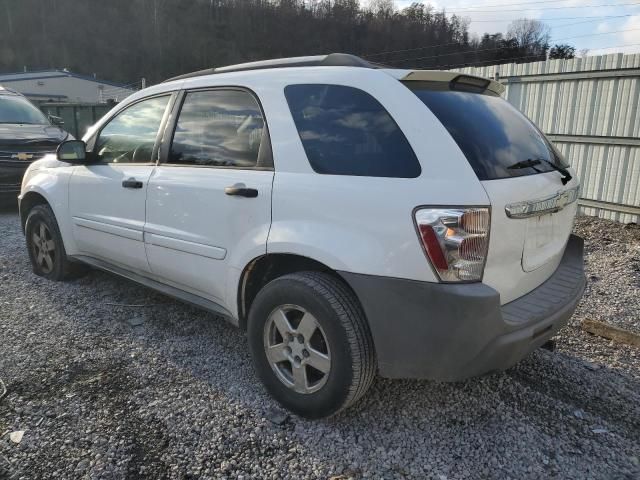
310	343
46	249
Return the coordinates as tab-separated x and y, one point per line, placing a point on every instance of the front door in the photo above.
209	200
107	197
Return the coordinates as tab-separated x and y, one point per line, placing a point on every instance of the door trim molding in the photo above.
200	249
102	227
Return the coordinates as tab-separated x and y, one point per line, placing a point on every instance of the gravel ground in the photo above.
167	391
613	272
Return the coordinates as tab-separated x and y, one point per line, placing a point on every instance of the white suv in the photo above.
353	219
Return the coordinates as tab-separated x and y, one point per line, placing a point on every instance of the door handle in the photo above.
240	190
132	183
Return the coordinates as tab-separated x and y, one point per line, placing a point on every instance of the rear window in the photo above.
494	136
346	131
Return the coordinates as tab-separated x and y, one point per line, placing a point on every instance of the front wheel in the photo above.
46	250
310	343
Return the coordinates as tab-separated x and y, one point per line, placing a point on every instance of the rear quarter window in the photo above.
345	131
493	135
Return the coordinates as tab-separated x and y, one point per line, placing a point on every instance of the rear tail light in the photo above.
455	241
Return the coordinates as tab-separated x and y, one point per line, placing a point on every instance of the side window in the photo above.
220	128
345	131
130	135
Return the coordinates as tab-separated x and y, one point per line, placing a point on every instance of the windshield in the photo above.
498	140
15	109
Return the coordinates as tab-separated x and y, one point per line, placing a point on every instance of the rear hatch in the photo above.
531	190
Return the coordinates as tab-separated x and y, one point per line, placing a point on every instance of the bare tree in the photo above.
531	34
382	7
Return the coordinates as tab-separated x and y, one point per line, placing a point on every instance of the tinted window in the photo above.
221	128
345	131
15	109
129	137
491	133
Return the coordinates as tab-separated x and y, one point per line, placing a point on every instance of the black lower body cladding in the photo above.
451	332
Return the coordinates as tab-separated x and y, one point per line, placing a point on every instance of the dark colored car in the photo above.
26	135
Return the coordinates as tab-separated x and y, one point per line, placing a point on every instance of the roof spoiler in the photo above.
455	79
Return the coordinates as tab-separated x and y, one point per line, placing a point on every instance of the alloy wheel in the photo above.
43	247
297	349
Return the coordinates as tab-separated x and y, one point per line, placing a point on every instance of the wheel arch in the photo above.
27	202
265	268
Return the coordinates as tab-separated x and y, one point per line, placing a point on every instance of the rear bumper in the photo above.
452	332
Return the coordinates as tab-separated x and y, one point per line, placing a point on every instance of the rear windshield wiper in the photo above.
525	164
566	176
529	163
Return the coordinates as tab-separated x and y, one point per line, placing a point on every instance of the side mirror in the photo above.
72	151
57	121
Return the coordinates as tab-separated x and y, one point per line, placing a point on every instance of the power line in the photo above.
410	49
472	7
467	7
618	46
493	61
593	19
552	8
596	17
594	34
501	48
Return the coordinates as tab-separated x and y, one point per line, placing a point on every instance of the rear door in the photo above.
533	195
209	200
107	198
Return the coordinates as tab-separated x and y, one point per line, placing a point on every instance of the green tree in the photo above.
562	51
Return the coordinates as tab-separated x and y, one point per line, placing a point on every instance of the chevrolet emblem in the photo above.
22	156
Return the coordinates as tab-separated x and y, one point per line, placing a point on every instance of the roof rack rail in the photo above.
330	60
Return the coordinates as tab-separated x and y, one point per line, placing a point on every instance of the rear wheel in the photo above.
297	349
46	250
310	343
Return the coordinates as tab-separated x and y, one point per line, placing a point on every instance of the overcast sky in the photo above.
569	20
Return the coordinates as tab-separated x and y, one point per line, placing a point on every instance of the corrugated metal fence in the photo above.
589	107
